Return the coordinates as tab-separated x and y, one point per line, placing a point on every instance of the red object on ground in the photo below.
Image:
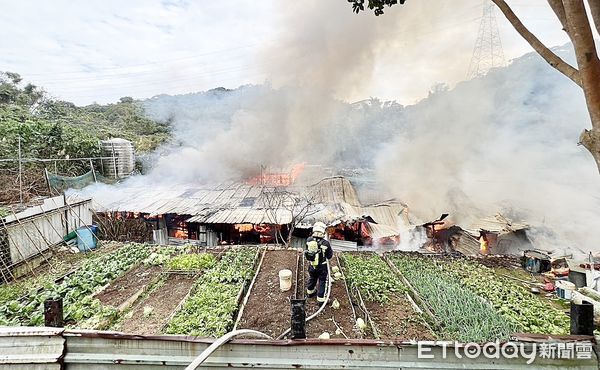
549	287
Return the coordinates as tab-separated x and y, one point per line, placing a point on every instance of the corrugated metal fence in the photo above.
31	232
50	348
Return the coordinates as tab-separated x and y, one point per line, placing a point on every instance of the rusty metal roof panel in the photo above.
496	224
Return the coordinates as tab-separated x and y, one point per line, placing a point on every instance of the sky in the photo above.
99	51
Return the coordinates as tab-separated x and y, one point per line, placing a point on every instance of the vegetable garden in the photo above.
150	290
473	303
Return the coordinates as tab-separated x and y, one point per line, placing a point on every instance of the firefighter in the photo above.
318	251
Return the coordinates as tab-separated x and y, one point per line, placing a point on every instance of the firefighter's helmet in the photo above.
319	229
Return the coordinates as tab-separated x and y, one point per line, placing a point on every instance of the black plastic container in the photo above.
298	319
582	318
578	278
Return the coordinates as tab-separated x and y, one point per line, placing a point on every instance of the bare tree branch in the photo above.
595	10
552	59
559	10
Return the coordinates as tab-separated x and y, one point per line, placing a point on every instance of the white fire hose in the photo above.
219	342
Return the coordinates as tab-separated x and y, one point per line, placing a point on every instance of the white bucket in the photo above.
285	280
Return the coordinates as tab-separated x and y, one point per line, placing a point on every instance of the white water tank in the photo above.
122	161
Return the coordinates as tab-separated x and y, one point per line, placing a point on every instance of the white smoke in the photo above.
505	142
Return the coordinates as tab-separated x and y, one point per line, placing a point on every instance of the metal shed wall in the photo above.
36	232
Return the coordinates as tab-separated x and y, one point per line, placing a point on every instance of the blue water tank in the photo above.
86	238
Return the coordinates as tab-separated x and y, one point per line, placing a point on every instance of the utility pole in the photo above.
20	170
487	52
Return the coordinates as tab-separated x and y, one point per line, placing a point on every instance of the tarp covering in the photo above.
59	183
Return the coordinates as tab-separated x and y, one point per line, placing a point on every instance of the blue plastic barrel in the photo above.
94	229
86	240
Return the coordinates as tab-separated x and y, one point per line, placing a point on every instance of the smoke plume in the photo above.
504	142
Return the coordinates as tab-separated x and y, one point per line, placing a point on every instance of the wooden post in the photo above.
93	172
48	180
53	313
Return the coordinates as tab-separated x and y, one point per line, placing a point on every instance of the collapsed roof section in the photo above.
497	224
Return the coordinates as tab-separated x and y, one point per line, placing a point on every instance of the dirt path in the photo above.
268	309
127	285
342	316
163	301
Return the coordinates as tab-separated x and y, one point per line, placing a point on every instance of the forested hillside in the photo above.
48	128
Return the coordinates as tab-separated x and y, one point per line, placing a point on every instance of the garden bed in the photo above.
125	289
384	296
160	304
59	263
210	309
268	308
460	314
326	321
76	290
489	304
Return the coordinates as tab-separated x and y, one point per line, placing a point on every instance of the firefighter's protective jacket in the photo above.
315	253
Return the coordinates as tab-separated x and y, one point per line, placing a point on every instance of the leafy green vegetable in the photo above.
527	311
372	276
189	262
464	316
209	310
76	290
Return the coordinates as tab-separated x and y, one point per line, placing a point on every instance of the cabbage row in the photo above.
372	276
528	312
76	290
464	316
208	312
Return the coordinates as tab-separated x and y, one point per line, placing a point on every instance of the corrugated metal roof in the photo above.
496	224
334	198
378	231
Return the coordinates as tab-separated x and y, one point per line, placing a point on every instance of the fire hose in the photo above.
232	334
321	308
219	342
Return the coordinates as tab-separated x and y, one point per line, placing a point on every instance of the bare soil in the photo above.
326	321
127	285
268	309
398	320
163	301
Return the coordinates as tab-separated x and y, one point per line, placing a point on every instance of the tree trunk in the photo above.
580	32
290	231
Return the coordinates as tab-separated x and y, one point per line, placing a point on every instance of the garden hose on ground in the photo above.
219	342
327	294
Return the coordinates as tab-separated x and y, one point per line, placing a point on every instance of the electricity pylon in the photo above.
487	52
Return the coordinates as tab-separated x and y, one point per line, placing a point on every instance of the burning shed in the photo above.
500	235
241	212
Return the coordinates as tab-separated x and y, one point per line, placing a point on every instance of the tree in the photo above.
578	26
280	203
